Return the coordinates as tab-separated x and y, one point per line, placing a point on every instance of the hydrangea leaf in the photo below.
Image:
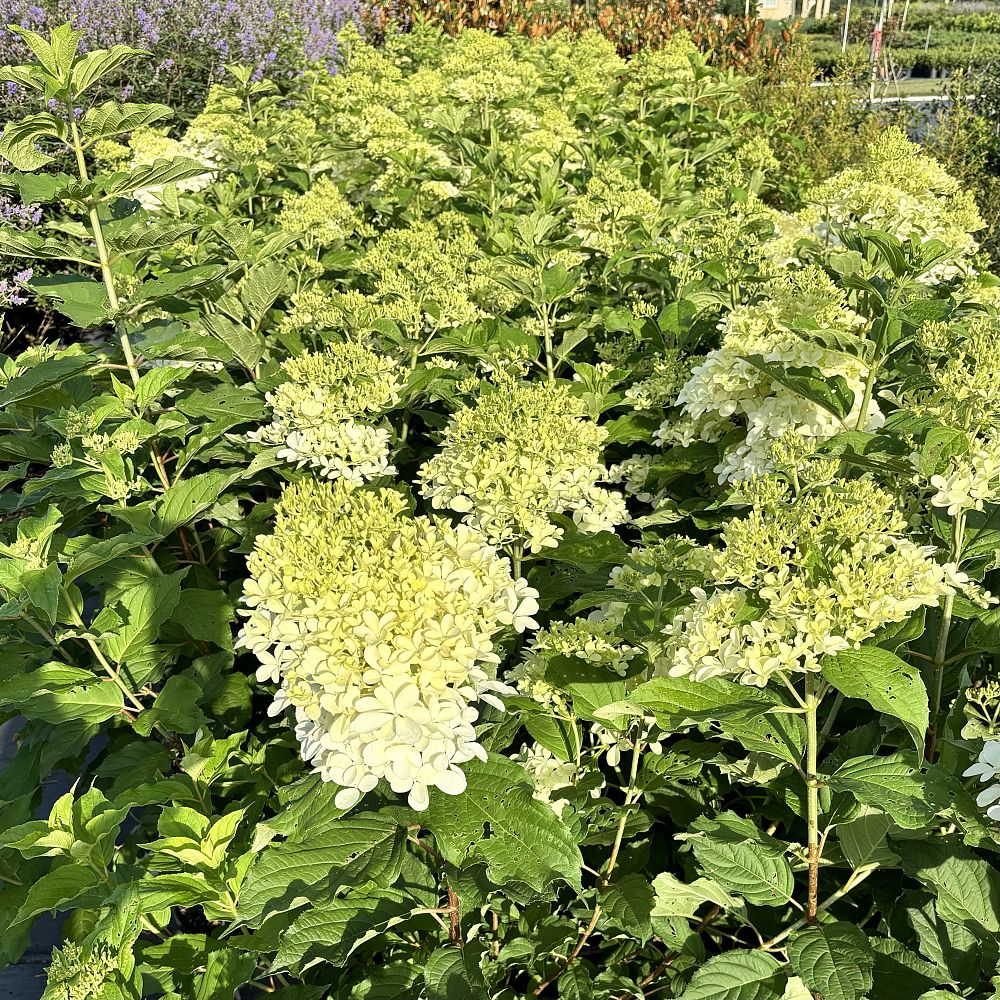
627	904
112	118
743	860
679	899
70	884
834	960
331	932
147	606
738	975
967	887
831	392
891	783
496	821
454	974
886	682
352	851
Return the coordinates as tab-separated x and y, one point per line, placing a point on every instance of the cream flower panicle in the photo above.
321	415
970	482
902	190
726	391
379	629
987	769
549	775
522	452
800	578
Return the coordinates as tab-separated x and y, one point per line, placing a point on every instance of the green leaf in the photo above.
900	973
56	55
746	714
678	899
863	839
737	975
206	616
68	884
185	500
175	708
42	588
112	118
247	345
102	552
967	887
18	141
940	445
496	821
884	681
153	174
226	970
261	287
575	984
627	904
84	300
53	371
352	851
147	606
454	974
90	704
94	65
830	392
331	933
742	859
228	404
834	960
892	783
23	685
590	685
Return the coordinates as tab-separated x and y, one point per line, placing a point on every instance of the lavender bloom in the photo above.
18	216
12	289
193	39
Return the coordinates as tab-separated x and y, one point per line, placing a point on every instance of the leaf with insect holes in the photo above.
497	821
885	682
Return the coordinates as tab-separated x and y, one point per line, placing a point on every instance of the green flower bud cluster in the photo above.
522	452
322	415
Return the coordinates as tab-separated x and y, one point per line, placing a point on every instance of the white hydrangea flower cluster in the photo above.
659	388
612	209
632	474
901	190
522	452
800	578
987	769
548	773
379	628
319	414
148	145
726	391
593	641
971	481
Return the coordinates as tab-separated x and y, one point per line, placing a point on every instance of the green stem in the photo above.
550	365
867	397
104	260
855	878
77	620
941	649
631	795
812	796
102	253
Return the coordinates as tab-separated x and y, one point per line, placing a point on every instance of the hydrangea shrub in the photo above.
484	539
